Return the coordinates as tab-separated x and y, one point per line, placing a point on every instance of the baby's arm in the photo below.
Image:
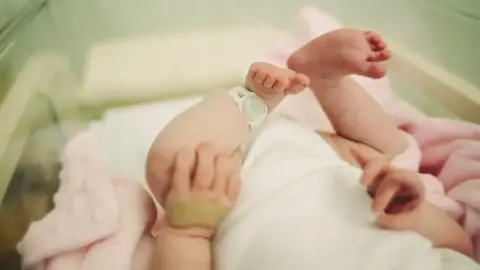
399	196
355	115
177	249
442	230
432	223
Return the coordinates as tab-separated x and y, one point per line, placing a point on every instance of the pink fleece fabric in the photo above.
445	152
100	221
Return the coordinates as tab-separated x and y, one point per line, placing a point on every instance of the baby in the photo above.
195	156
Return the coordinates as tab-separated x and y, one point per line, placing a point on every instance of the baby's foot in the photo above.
272	83
336	54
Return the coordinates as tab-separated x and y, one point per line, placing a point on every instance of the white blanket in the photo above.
126	134
301	207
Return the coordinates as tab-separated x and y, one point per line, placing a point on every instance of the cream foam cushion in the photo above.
163	66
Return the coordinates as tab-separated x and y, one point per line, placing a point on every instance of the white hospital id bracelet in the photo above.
253	107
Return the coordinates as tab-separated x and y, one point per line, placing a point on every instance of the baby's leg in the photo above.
353	113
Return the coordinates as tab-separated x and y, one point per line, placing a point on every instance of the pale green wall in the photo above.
9	8
88	20
35	33
447	31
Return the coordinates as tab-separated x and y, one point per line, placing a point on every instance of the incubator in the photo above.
66	65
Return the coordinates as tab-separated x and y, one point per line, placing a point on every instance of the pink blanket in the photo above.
100	221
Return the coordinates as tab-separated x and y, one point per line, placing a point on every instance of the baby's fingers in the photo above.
385	194
183	166
234	180
204	171
222	172
234	186
225	167
411	193
414	185
372	171
398	222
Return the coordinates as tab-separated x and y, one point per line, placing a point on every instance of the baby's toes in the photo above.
373	38
260	76
298	83
301	79
379	56
376	42
373	70
281	84
376	47
269	81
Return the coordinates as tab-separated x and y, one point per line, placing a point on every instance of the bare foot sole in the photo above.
339	53
273	83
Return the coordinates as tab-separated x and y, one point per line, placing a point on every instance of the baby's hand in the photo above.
399	197
393	190
205	186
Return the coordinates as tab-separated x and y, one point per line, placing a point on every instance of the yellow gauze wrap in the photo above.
194	213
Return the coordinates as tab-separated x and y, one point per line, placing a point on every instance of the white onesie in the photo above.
302	207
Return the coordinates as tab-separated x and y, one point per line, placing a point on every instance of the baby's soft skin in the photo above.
354	114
